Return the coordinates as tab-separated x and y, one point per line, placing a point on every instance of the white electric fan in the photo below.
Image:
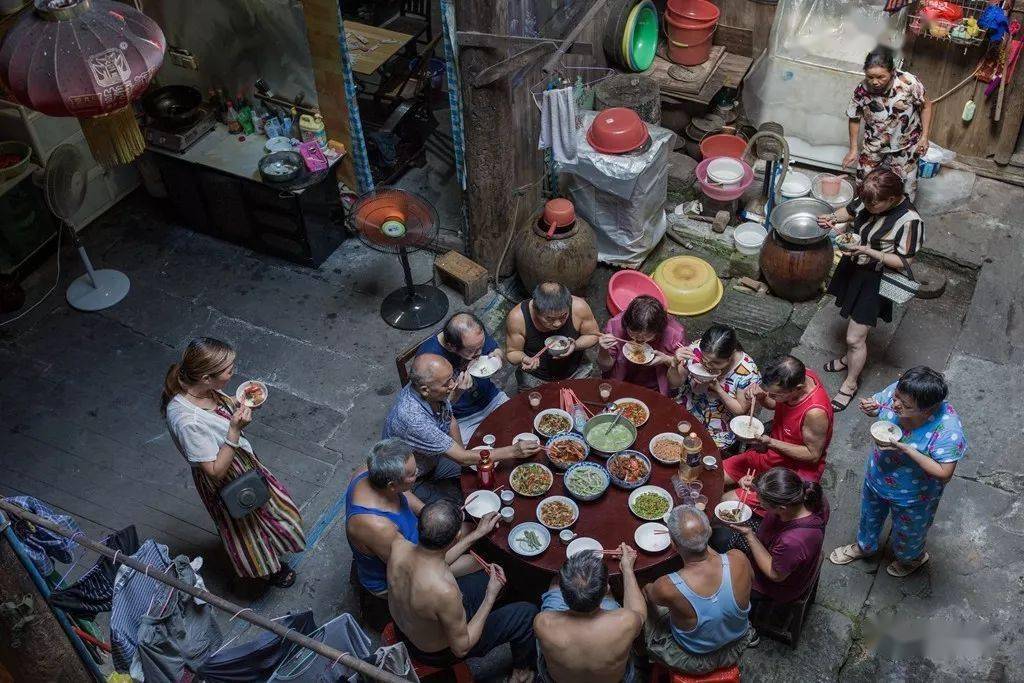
64	182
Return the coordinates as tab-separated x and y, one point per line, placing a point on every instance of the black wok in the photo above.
173	106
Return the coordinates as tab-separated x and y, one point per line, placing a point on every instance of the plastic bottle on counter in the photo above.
231	119
259	119
245	117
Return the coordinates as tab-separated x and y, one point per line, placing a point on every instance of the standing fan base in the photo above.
424	306
110	287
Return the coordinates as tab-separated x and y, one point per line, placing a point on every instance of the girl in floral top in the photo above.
717	401
906	480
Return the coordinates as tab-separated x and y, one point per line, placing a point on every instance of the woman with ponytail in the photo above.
206	425
785	548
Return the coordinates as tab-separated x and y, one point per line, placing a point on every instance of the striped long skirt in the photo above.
255	542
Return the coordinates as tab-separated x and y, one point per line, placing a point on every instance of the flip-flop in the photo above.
845	554
838	407
834	365
900	570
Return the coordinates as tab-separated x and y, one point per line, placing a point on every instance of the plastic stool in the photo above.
459	670
659	673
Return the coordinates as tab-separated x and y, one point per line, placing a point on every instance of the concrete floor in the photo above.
82	429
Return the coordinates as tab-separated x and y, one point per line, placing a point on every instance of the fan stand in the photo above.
413	307
97	289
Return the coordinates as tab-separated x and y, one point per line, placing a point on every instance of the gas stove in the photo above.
178	140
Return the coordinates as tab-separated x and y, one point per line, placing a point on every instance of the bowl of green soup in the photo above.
605	438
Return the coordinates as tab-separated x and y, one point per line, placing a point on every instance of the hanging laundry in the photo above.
305	666
93	592
181	632
896	5
134	592
558	124
257	659
44	546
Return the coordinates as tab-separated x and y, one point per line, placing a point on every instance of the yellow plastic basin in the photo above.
690	284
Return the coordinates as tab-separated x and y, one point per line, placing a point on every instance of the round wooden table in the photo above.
607	519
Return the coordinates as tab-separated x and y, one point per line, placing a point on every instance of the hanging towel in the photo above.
133	593
93	591
558	124
257	659
43	545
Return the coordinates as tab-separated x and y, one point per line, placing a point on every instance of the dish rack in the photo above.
965	31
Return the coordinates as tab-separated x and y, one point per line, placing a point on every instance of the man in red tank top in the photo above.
801	428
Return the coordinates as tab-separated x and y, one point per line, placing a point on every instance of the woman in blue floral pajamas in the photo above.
906	481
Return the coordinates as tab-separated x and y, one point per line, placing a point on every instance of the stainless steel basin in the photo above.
796	220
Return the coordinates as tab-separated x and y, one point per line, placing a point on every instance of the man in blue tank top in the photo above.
697	619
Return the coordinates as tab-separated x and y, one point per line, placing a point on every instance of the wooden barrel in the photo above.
795	272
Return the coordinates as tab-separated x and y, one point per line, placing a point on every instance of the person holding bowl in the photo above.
896	115
207	427
717	400
906	481
888	233
646	322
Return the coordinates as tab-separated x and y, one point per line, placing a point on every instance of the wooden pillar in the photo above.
44	652
491	134
322	36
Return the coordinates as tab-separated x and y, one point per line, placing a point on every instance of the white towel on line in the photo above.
558	124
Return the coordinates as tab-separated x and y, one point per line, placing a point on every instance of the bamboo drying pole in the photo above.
220	603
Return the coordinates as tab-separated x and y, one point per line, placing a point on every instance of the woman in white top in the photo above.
206	425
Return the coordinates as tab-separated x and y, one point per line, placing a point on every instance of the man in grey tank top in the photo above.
697	619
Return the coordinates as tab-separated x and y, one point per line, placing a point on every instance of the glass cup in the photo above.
605	390
684	428
489	440
700	502
534	399
696	487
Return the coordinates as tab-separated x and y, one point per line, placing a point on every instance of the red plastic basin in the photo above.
627	285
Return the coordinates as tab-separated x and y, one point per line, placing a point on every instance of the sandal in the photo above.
899	569
838	407
284	578
845	554
835	365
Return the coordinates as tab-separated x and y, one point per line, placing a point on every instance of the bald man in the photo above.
461	341
422	417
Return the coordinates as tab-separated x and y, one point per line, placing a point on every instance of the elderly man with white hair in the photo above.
697	619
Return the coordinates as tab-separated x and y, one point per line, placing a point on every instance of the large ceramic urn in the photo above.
556	245
797	255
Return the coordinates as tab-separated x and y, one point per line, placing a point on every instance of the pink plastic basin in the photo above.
627	285
718	192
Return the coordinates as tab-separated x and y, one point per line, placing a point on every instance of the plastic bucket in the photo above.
689	41
699	11
722	145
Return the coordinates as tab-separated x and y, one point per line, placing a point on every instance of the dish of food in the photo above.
557	345
552	422
651	537
633	410
525	436
531	479
610	439
629	469
557	512
699	372
733	512
566	449
641	354
846	240
586	481
252	393
746	427
529	539
667	448
650	502
484	366
884	432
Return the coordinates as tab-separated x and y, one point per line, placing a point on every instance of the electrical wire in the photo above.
60	235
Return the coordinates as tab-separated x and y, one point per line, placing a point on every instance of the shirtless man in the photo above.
583	633
698	615
442	619
553	310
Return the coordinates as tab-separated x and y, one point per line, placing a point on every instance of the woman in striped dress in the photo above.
888	233
206	425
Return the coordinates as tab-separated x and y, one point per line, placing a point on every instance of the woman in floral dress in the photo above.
907	479
896	116
715	403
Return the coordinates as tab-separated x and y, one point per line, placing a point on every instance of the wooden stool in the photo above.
784	621
662	674
459	671
462	274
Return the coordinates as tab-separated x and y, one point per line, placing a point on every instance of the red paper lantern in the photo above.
89	59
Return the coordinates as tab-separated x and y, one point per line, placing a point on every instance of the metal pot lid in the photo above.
796	220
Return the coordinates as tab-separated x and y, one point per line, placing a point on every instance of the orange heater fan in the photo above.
399	222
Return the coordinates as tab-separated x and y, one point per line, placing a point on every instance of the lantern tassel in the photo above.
114	138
